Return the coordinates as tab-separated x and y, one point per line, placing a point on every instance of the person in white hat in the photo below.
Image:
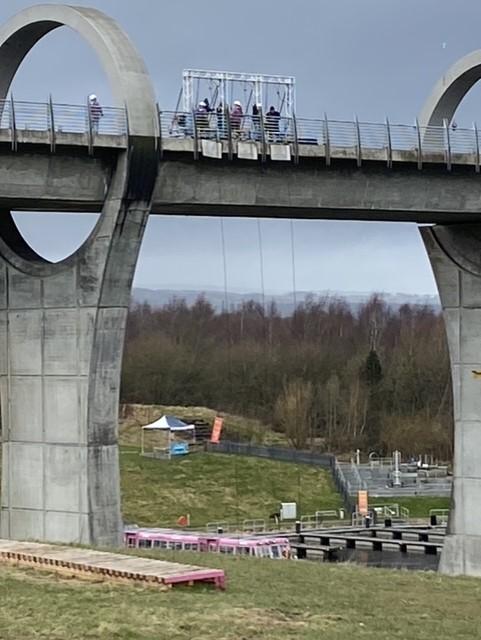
202	119
95	111
236	115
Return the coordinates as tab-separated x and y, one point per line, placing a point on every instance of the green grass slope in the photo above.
264	600
212	487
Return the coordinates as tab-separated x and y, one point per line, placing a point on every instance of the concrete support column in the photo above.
455	255
62	325
61	337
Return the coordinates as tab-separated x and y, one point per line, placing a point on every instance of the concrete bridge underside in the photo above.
69	181
62	326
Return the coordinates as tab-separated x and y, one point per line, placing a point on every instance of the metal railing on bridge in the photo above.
218	134
29	120
330	138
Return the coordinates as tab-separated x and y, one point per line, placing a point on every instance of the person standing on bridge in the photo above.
221	128
236	115
202	119
256	121
95	112
272	124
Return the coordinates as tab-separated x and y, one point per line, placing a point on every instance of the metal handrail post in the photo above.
90	135
51	124
448	142
296	139
420	149
13	124
159	139
196	136
476	140
327	142
389	144
230	144
358	142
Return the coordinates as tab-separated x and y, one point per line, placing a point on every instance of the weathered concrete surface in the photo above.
72	181
455	254
62	181
311	190
451	89
62	325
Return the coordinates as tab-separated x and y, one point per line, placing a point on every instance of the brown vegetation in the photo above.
375	378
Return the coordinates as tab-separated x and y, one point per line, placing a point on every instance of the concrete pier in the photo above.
62	325
455	255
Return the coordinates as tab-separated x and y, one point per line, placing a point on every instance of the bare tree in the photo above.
293	412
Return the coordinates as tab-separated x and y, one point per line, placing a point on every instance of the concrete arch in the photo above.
124	67
451	89
132	89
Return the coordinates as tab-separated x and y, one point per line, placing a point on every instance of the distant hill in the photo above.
284	302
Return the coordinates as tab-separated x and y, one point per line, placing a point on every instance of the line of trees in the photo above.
327	376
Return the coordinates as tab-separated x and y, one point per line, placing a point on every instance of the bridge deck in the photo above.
110	566
276	152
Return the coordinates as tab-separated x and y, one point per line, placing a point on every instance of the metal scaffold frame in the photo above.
226	86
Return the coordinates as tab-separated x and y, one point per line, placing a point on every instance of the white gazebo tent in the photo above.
168	425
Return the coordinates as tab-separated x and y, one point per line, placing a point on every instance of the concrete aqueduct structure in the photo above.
455	254
62	325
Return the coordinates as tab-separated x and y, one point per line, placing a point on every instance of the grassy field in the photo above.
212	487
419	506
265	600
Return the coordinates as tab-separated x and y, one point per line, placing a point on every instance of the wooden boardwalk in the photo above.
88	563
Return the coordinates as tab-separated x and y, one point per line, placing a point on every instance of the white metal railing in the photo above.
351	139
360	482
213	527
391	511
310	521
256	525
381	463
22	116
347	138
442	515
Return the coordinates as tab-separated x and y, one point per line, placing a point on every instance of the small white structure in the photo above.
168	425
288	510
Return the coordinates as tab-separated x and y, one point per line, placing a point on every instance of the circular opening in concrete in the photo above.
468	109
64	66
55	236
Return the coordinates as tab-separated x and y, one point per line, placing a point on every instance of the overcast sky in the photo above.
367	57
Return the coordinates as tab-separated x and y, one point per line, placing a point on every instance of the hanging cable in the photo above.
266	321
248	103
230	384
261	264
179	98
224	264
293	265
